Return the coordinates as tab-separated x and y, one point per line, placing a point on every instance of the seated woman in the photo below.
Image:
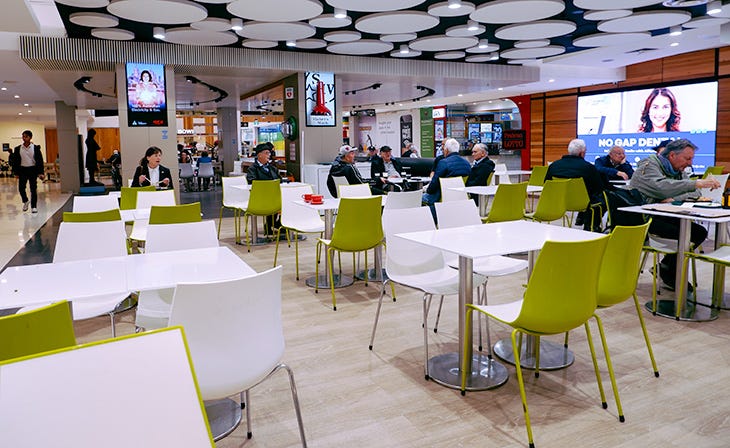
150	172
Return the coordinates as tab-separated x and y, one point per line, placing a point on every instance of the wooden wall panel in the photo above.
537	137
108	139
563	108
722	152
557	137
51	145
724	61
645	73
562	92
698	64
606	86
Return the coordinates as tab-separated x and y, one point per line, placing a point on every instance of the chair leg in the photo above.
565	341
295	399
332	277
516	353
247	404
114	330
377	314
655	259
595	365
276	251
245	228
220	219
367	274
425	335
316	266
611	374
681	296
646	336
296	252
438	315
537	356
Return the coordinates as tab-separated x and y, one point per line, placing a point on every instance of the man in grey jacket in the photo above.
661	178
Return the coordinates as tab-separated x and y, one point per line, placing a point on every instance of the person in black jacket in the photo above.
27	163
385	167
481	168
344	166
92	163
263	168
150	172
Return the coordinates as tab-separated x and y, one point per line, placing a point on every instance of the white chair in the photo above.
236	341
339	180
237	170
447	194
403	199
87	390
716	194
297	219
94	203
145	200
186	175
500	168
153	307
354	191
416	266
235	199
205	171
85	241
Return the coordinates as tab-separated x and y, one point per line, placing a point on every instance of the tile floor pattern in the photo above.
351	396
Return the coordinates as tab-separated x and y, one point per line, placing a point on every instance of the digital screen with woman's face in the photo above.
146	96
638	120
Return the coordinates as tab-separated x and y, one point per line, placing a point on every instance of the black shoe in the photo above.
579	220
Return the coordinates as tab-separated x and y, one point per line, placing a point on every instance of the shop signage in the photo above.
513	139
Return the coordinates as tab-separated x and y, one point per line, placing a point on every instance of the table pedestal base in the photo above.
373	275
692	312
224	416
255	242
553	356
340	281
485	373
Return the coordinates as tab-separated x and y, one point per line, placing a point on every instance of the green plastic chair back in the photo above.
620	268
576	199
537	177
489	178
106	215
714	170
128	198
562	291
175	214
508	203
40	330
551	205
265	198
358	226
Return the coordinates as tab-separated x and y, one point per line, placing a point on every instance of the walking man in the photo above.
27	163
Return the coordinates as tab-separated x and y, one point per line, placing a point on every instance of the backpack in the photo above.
624	198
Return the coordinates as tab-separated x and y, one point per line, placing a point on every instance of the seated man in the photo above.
481	168
614	165
385	167
344	166
661	178
263	168
372	154
452	165
573	165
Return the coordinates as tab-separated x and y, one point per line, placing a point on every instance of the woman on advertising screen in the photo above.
146	90
660	112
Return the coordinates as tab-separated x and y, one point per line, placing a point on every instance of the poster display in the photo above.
319	90
146	94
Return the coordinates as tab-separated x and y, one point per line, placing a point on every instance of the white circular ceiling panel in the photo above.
703	21
607	14
532	43
644	21
464	30
276	30
329	21
517	11
609	39
253	43
85	3
191	36
490	47
374	5
400	37
442	9
112	34
212	24
480	58
614	4
215	2
311	44
396	22
93	19
166	12
543	29
449	55
443	43
410	54
531	53
342	36
360	47
275	10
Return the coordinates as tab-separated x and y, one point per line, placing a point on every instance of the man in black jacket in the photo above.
385	167
27	164
263	168
481	168
344	166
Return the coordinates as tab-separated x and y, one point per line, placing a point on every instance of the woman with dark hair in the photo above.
150	172
146	90
92	148
660	112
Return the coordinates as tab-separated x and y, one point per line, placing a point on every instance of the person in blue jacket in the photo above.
451	165
614	165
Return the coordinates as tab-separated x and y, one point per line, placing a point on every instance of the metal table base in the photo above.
372	275
485	373
692	312
553	356
340	281
224	416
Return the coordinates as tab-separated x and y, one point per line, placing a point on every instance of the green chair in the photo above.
720	256
551	206
358	229
577	200
714	170
620	272
40	330
265	200
537	179
553	303
128	198
508	203
175	214
106	215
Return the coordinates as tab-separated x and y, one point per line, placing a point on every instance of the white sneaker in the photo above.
34	210
25	206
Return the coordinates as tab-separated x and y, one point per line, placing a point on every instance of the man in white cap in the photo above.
344	166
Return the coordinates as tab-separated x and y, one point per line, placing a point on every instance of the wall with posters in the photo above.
394	127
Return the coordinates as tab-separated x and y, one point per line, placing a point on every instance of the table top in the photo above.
499	238
512	172
137	214
491	190
685	211
283	185
331	203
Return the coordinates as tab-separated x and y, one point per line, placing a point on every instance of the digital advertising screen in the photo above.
497	132
319	89
638	120
474	132
486	127
146	94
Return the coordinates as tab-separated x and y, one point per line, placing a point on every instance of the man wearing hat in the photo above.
262	168
344	166
385	167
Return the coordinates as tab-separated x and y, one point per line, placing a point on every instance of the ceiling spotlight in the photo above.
16	96
404	49
494	56
454	4
471	25
340	13
26	105
500	88
551	80
674	44
3	88
158	33
236	24
714	7
20	113
461	94
483	43
291	43
675	31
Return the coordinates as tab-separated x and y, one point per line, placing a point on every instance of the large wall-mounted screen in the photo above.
146	95
320	98
639	120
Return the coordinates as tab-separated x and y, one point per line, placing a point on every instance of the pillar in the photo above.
68	147
229	136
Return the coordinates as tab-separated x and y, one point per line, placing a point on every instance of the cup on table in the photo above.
307	197
317	199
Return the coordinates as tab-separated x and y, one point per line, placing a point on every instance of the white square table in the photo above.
485	240
520	173
484	191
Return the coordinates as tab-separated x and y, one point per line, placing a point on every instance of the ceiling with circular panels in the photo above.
480	31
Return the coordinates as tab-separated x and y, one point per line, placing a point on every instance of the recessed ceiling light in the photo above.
674	44
20	113
460	94
714	8
26	104
483	43
3	88
494	57
400	104
29	111
551	80
675	31
454	4
500	88
291	43
472	25
428	101
158	33
16	96
404	49
340	13
236	24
